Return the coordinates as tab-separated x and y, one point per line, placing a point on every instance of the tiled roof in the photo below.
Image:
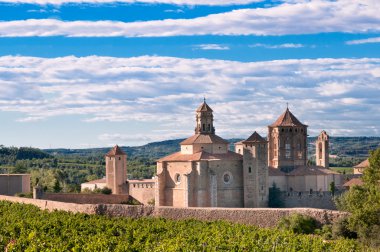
287	119
98	181
275	172
201	156
204	139
254	138
363	164
311	170
204	108
115	151
353	182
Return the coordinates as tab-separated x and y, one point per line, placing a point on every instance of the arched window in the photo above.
204	127
249	169
320	150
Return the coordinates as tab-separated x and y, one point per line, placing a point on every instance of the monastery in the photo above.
207	173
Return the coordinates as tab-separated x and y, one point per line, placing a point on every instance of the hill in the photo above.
352	147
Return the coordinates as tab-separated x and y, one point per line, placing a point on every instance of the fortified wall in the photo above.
262	217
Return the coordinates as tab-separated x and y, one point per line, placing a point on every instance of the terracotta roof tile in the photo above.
254	138
311	170
363	164
275	172
115	151
201	156
353	182
287	119
204	139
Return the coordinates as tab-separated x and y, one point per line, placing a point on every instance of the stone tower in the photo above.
255	170
322	150
287	138
204	119
116	170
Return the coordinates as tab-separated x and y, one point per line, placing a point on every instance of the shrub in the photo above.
24	195
325	232
106	190
340	228
151	202
298	223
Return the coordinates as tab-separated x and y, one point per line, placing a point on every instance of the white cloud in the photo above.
176	2
280	46
163	92
363	41
212	47
306	17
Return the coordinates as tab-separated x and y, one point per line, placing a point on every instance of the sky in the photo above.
95	73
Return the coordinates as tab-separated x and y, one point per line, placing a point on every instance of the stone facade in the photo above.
206	174
10	184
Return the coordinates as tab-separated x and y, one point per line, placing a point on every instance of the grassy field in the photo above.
343	170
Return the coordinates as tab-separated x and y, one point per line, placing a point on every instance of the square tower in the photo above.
116	170
255	170
287	138
322	150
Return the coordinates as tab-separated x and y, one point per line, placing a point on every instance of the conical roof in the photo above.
116	151
204	107
254	138
287	119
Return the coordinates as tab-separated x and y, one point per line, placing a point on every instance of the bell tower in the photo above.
287	138
204	119
116	170
322	150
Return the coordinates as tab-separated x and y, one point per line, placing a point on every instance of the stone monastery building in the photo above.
206	173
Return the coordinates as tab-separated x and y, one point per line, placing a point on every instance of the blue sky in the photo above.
93	73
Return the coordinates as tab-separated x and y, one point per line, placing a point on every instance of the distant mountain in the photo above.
341	146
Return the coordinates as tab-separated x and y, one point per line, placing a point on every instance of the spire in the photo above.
204	119
116	151
287	119
255	138
204	107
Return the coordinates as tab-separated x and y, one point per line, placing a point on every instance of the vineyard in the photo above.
26	228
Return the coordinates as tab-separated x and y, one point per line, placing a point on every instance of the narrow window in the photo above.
288	152
204	127
208	127
249	169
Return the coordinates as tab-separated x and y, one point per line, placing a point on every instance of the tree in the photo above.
275	199
57	187
363	202
19	168
332	188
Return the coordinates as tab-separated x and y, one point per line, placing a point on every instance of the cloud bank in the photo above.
363	41
339	95
175	2
289	18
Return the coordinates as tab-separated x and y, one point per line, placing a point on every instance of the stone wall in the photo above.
84	198
323	200
142	190
10	184
262	217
